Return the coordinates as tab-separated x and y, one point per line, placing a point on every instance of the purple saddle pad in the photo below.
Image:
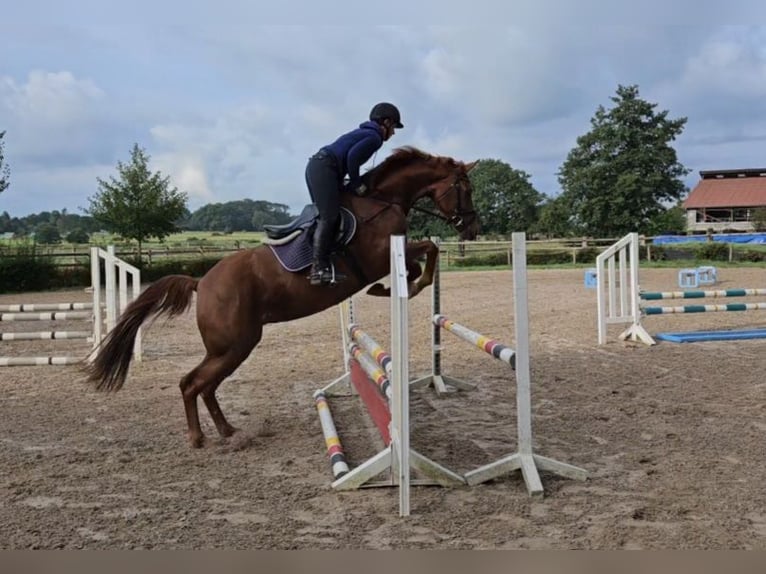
297	254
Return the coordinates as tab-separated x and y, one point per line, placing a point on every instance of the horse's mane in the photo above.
399	158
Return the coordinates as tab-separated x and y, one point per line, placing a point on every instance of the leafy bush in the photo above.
587	254
492	259
193	267
22	270
659	253
549	257
713	251
750	255
77	236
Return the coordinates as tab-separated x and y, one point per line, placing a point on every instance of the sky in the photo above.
230	102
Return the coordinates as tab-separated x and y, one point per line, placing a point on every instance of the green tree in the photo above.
5	170
504	198
555	219
138	204
421	225
47	233
77	236
623	172
758	219
671	220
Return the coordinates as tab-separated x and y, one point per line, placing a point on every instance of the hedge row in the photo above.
25	271
712	251
584	256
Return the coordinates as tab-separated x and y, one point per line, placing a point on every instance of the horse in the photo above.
248	289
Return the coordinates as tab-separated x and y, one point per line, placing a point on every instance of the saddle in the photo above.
281	234
292	243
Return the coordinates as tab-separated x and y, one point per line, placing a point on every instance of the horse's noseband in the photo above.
456	220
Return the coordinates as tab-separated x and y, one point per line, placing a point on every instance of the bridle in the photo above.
458	217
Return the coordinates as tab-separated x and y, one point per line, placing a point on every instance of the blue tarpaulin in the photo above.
752	238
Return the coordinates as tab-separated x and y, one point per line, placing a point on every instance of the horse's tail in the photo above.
170	296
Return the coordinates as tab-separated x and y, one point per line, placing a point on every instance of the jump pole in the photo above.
397	456
524	459
117	298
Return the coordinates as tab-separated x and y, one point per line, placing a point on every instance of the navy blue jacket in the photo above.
353	149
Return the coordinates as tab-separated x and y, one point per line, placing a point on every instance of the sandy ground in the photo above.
674	436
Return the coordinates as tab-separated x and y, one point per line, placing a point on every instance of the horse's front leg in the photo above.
415	251
417	278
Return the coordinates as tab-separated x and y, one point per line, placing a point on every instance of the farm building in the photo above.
726	200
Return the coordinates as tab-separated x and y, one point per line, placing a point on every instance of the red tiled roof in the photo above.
728	192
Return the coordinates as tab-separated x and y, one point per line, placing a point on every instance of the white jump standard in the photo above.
524	459
382	382
115	299
619	296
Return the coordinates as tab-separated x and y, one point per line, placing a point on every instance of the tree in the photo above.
77	236
241	215
759	219
47	233
504	198
671	221
623	173
555	219
5	170
421	225
138	204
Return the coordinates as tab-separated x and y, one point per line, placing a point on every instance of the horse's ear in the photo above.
470	166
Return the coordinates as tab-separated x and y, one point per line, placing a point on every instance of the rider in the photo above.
324	177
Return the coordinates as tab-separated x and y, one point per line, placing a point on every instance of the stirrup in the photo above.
326	276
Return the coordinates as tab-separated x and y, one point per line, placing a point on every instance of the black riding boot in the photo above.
322	270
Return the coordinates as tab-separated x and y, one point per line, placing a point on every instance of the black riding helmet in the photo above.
386	111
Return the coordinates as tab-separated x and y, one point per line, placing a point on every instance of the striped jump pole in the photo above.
50	316
524	459
44	312
620	298
332	440
36	361
380	379
489	346
45	335
437	378
32	307
372	369
442	384
117	277
371	347
704	308
713	294
370	391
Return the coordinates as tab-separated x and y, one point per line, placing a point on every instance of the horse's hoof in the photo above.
229	431
197	441
379	290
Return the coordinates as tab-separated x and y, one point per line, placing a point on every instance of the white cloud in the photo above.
49	98
51	115
233	109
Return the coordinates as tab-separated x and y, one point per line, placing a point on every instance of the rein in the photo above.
456	220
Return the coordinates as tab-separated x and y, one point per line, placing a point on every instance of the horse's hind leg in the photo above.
204	380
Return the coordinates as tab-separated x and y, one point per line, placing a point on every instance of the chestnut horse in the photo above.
248	289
